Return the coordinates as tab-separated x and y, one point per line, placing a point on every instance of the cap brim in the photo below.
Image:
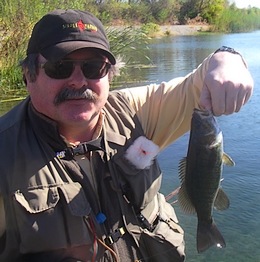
60	50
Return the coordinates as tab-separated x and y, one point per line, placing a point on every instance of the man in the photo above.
78	177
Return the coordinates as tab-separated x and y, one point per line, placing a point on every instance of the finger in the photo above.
218	102
205	99
248	95
242	99
233	100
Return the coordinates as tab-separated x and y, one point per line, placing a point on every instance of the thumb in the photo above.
205	99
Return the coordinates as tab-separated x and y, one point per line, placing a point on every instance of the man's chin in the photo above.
77	116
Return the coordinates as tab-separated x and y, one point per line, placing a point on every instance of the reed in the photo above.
234	20
16	21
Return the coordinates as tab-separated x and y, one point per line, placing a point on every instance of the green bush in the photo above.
150	28
140	13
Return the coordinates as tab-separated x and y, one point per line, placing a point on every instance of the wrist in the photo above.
227	49
230	50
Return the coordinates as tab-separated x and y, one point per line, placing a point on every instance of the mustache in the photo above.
69	93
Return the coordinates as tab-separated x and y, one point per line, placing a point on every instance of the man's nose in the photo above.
77	78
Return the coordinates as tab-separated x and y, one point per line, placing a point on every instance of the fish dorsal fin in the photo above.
183	197
227	160
182	169
222	201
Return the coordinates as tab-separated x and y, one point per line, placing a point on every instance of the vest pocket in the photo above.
50	218
141	184
166	241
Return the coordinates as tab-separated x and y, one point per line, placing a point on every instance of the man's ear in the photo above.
24	79
28	77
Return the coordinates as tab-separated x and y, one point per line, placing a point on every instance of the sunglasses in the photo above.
92	69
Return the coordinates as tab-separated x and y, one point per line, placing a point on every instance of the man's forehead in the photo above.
86	53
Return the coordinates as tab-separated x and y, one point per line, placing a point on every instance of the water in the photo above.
240	224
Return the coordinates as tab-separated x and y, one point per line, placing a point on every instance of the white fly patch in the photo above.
142	152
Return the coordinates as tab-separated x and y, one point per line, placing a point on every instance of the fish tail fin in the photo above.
208	235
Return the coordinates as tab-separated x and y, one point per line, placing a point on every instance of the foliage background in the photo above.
17	18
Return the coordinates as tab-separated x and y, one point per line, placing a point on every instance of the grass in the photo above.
16	23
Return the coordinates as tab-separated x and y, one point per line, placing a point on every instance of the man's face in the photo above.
62	99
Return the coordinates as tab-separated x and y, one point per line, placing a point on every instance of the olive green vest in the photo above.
48	199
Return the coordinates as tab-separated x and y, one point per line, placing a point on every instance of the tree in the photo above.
209	10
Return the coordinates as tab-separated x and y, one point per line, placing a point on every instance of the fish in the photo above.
200	175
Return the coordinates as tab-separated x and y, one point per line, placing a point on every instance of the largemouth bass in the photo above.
200	174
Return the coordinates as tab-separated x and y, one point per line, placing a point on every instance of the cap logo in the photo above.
81	26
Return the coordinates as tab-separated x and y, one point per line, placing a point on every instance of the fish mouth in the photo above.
205	122
202	113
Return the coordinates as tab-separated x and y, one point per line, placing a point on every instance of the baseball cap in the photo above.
61	32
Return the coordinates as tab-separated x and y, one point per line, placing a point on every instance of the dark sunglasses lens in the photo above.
95	69
58	70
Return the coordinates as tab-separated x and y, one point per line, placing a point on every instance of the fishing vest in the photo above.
49	202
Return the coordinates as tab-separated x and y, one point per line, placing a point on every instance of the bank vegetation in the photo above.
139	18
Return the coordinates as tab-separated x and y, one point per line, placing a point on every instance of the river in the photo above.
240	224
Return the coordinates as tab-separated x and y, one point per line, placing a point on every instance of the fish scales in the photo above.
200	174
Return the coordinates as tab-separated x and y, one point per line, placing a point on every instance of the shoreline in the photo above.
173	30
182	29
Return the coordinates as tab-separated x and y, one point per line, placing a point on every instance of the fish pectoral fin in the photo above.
222	202
227	160
185	202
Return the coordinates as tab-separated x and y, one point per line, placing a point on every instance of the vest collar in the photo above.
47	130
